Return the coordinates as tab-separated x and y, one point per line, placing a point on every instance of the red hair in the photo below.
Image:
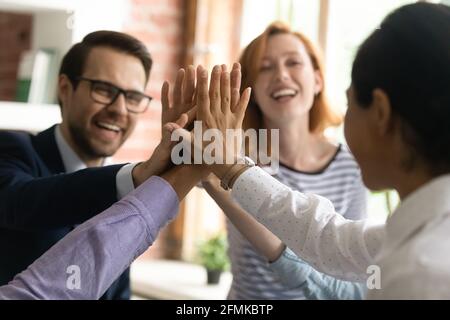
321	114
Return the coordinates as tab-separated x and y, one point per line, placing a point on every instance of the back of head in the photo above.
408	57
74	61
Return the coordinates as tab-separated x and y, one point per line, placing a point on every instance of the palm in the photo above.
221	107
182	97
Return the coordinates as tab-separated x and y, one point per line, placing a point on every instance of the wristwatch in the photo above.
235	170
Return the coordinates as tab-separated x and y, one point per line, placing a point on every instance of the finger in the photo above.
177	90
165	96
224	68
225	92
235	77
194	98
171	126
167	130
189	85
184	134
214	90
203	110
235	96
165	114
243	103
182	120
191	114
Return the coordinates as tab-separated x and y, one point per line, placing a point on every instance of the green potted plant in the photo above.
213	256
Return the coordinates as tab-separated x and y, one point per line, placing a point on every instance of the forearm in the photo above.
99	250
309	225
264	241
294	273
183	178
320	286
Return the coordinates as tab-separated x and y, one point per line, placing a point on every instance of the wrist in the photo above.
221	169
241	170
230	173
137	174
142	171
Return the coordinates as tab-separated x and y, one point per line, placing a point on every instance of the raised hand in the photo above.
221	107
177	113
160	161
182	97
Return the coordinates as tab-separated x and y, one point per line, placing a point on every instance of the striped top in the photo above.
339	181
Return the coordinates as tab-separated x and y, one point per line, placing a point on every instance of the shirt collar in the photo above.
417	209
71	160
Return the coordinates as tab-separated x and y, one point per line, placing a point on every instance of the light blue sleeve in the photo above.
294	273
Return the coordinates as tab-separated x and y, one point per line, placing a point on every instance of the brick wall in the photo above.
159	24
15	37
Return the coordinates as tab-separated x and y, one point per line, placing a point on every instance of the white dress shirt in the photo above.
411	249
72	163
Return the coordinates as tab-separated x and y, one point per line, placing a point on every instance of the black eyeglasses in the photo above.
106	93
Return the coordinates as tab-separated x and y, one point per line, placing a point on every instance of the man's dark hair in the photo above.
75	59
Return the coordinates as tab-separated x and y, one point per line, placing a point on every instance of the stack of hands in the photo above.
220	106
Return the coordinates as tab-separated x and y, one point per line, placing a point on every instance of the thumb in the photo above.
184	134
167	130
182	120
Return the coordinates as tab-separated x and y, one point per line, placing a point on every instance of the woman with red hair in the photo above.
286	75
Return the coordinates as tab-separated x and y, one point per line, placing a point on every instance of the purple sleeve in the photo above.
86	262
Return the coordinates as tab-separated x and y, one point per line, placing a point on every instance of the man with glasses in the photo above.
51	182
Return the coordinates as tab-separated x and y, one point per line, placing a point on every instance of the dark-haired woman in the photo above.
398	128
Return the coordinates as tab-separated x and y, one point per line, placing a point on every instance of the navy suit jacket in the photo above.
40	203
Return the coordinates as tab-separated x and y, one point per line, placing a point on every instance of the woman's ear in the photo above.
318	83
382	111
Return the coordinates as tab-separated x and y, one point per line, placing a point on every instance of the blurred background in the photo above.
35	34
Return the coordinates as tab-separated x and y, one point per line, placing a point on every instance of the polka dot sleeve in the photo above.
309	225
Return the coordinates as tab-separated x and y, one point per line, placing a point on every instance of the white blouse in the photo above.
411	250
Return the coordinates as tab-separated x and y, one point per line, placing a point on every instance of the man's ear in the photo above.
382	111
65	91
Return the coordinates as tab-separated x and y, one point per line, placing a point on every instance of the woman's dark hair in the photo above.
408	57
75	59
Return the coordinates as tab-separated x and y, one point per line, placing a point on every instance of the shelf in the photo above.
28	117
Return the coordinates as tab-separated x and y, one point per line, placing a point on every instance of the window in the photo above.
349	23
300	14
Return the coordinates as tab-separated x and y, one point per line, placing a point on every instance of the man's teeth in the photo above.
283	93
108	126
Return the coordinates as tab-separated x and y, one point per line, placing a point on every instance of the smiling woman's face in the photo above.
287	82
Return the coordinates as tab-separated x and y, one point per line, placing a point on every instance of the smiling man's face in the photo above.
92	129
